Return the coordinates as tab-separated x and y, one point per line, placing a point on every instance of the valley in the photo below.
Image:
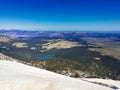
75	54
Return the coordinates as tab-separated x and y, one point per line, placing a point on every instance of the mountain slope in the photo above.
4	39
17	76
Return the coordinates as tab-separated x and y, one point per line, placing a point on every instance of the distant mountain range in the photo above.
23	33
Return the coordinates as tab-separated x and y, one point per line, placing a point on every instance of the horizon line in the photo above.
61	30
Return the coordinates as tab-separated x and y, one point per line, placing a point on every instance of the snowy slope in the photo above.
17	76
108	82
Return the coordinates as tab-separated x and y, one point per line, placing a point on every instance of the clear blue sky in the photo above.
60	14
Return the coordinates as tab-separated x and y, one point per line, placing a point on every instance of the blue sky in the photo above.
60	14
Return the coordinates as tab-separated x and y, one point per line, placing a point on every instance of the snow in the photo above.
17	76
108	82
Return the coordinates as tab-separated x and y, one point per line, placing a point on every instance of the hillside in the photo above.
17	76
4	39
